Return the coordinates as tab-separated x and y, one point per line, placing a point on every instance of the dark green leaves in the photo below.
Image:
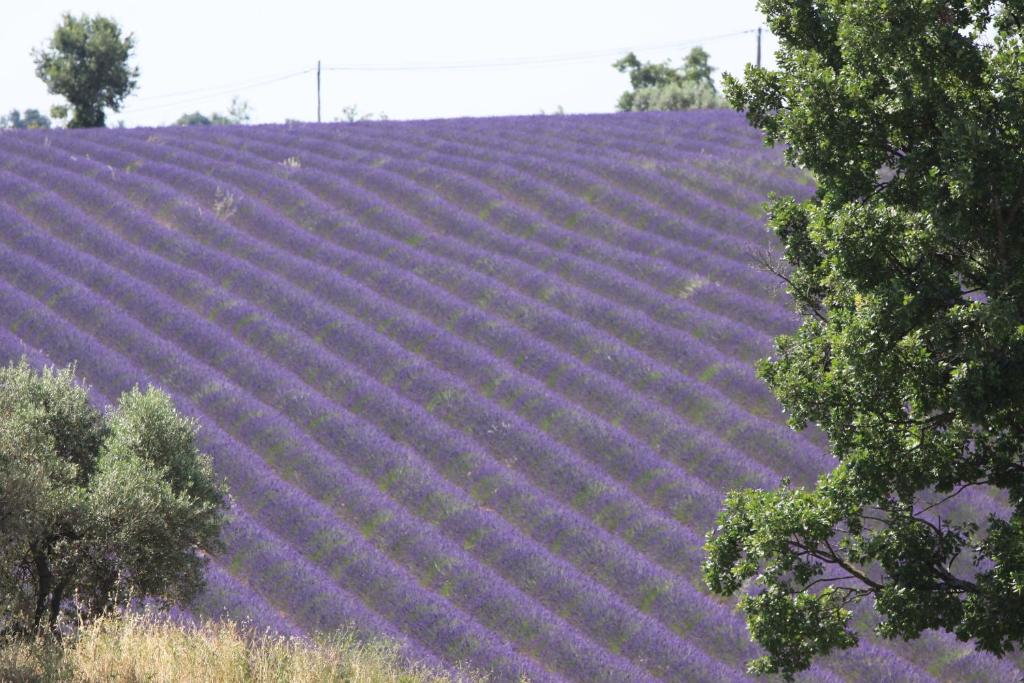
87	63
908	267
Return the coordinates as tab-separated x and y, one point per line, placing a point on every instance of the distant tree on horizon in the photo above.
32	118
86	62
662	87
239	112
351	114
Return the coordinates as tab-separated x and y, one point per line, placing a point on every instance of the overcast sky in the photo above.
500	58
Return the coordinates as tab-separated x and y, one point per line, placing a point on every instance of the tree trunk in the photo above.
44	583
55	600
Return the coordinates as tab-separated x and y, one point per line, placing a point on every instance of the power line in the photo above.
220	91
207	93
531	61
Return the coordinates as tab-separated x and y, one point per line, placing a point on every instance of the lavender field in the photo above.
479	385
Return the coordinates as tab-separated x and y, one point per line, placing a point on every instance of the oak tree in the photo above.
908	268
86	62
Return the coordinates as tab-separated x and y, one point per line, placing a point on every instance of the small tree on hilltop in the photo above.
239	112
94	507
908	267
662	87
30	119
86	62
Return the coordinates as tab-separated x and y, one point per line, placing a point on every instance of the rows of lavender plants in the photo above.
476	385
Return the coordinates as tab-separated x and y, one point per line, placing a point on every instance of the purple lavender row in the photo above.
226	595
386	584
13	347
346	337
710	283
688	437
673	135
328	606
518	170
740	380
564	330
478	258
758	168
739	147
107	252
743	176
453	357
677	134
602	180
610	610
484	186
665	264
278	507
446	219
325	321
684	147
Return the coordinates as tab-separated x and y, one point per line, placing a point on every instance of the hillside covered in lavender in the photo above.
479	385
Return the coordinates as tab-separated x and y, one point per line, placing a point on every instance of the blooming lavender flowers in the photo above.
476	385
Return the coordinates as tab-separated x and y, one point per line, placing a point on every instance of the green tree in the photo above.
908	268
30	119
351	114
238	113
86	62
660	86
97	506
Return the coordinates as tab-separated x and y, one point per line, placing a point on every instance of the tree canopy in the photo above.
658	86
30	119
97	506
238	113
908	268
86	62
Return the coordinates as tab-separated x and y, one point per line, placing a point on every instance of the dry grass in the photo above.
133	650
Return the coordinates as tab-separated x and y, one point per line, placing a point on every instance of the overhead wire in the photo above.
219	91
183	98
532	61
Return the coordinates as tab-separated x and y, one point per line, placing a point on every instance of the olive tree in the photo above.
97	508
908	268
86	62
659	86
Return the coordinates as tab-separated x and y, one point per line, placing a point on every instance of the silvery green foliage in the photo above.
659	86
97	508
675	97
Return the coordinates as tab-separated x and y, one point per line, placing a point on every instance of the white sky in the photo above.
196	55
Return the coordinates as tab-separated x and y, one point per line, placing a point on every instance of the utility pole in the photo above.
318	81
758	49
